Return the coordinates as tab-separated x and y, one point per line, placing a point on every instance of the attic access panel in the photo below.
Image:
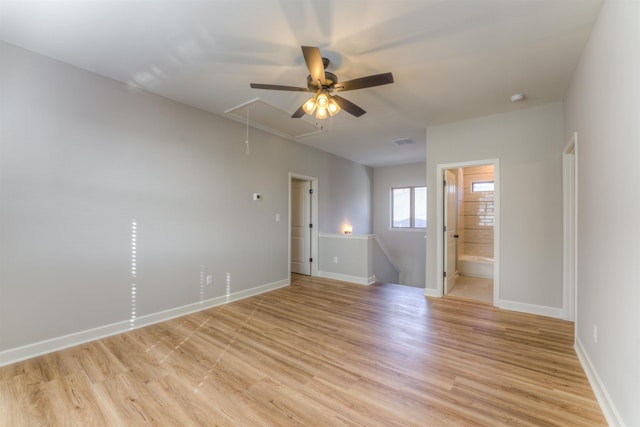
272	119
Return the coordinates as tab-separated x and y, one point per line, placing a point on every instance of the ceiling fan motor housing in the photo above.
330	79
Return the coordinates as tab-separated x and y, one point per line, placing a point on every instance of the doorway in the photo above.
303	230
468	217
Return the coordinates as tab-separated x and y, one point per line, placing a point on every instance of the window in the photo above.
409	207
482	186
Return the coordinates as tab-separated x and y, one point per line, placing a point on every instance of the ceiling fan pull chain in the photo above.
246	141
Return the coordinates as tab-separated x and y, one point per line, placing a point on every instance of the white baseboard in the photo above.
609	410
347	278
432	293
541	310
29	351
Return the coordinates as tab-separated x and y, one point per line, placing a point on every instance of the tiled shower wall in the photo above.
460	207
475	213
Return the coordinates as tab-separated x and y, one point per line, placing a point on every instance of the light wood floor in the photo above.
318	352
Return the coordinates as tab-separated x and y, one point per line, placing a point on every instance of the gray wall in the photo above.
355	258
603	106
351	253
406	247
528	144
383	269
83	155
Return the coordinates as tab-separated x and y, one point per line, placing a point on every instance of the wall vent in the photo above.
404	141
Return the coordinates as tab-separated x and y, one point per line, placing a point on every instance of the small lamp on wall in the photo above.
347	229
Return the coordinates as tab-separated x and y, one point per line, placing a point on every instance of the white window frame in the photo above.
412	209
473	185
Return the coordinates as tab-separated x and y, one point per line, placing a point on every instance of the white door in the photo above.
300	226
450	230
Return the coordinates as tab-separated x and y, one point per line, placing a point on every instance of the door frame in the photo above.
570	229
440	223
314	220
445	209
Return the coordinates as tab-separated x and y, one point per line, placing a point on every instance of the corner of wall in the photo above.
607	405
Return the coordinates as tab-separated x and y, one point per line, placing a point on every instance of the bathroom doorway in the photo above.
468	213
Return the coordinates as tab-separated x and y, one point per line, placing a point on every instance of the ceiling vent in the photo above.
404	141
272	119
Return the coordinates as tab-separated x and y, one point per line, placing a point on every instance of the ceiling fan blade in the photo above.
314	62
348	106
299	113
364	82
278	87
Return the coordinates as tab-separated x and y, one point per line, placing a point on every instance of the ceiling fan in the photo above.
323	83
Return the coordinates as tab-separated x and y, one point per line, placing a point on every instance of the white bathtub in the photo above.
476	266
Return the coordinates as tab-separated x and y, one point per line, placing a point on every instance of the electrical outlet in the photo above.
335	259
595	334
209	279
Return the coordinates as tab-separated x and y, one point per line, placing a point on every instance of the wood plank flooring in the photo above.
316	353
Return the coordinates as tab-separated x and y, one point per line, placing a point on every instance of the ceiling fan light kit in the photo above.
321	104
310	106
333	107
321	114
323	83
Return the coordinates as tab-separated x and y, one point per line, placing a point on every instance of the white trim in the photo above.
315	252
434	293
348	278
407	229
412	210
570	228
607	405
541	310
347	236
440	221
29	351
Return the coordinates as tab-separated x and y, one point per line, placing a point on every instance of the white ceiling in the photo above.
451	59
